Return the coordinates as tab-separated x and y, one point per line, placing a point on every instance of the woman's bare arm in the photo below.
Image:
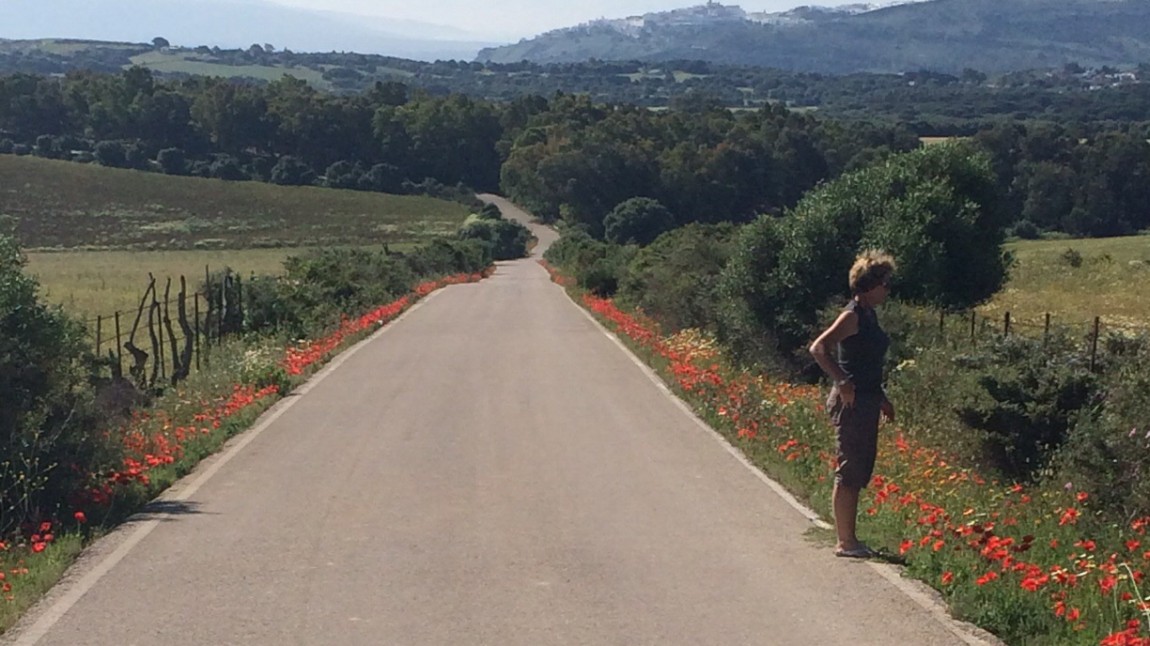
845	326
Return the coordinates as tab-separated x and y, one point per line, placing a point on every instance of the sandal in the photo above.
859	552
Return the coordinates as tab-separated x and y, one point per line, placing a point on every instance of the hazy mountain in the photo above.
232	23
943	35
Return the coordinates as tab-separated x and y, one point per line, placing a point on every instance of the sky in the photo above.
510	20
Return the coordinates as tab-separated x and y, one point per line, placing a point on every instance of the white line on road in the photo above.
181	492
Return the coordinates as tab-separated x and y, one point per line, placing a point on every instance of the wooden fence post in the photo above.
196	308
973	323
1094	342
119	349
99	334
1046	331
1006	324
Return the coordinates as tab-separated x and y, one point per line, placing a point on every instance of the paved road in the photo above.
491	469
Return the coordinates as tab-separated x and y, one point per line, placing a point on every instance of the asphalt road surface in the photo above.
490	469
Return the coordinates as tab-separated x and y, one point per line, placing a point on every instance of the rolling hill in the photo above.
940	35
232	23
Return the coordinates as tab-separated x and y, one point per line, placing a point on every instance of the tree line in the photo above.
565	157
930	102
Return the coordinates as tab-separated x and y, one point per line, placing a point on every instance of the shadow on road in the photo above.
166	510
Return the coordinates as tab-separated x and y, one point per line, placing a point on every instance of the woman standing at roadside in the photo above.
857	400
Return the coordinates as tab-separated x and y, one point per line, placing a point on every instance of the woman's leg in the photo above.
846	504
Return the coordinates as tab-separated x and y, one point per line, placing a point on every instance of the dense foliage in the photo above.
578	161
934	209
48	406
674	279
565	157
321	285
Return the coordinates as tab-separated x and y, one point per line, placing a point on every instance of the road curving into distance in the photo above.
490	469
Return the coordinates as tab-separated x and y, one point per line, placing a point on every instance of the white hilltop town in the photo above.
715	12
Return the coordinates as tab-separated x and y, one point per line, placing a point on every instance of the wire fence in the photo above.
971	328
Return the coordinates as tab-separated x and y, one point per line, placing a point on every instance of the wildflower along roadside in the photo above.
1031	565
166	442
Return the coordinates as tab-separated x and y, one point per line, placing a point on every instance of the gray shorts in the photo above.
856	431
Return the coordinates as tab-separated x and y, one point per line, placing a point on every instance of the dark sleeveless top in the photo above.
862	355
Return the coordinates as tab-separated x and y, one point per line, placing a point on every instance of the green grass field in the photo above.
99	283
1110	282
65	205
190	63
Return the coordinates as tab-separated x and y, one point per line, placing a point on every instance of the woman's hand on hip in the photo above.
887	409
847	394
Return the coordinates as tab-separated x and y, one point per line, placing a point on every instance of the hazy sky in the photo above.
515	19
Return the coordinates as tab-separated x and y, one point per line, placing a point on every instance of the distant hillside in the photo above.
230	24
940	35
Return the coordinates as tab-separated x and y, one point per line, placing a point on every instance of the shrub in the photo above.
227	168
1031	394
48	413
382	178
1109	449
6	146
200	168
111	153
574	250
674	279
172	161
490	212
638	220
46	146
320	285
1026	230
328	282
261	168
602	277
509	240
442	257
1071	258
596	265
292	171
935	209
136	157
343	174
270	306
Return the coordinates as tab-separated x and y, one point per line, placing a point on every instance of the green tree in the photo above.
638	220
935	209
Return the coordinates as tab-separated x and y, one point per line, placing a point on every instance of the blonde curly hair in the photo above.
871	269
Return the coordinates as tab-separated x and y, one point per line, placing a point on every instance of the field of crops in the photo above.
65	205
